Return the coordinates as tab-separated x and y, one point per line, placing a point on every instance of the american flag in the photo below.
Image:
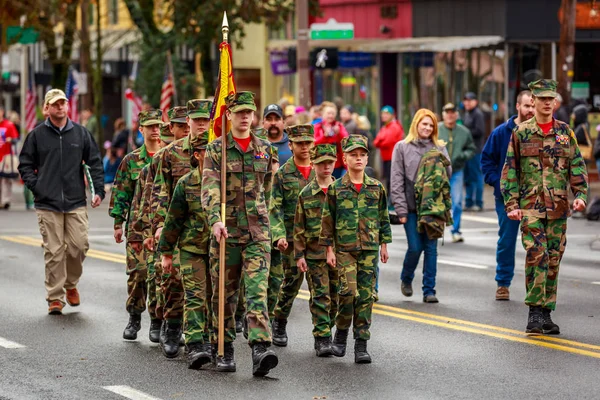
72	93
30	103
136	104
166	92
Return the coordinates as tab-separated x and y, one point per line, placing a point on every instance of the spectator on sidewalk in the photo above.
56	178
274	126
120	142
8	136
461	148
390	133
331	131
561	111
475	121
492	161
347	117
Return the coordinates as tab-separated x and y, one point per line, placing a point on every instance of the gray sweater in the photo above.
405	165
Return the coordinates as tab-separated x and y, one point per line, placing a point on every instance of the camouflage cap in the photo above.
301	133
241	101
543	88
150	117
199	108
198	142
178	114
323	152
165	133
54	95
355	142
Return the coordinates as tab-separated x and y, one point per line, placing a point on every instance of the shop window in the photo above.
113	12
389	12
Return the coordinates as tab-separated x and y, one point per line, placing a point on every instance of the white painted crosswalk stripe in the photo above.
129	392
7	344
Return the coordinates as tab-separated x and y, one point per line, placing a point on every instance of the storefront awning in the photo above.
399	45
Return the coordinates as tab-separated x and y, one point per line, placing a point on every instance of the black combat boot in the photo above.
535	320
548	326
133	327
279	334
163	331
323	346
339	342
227	362
172	336
361	356
263	359
154	334
198	355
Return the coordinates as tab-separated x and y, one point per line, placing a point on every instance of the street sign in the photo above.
332	30
580	90
24	35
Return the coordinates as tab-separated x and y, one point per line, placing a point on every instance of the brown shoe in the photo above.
55	308
502	293
73	297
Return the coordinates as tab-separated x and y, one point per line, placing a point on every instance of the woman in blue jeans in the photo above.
422	137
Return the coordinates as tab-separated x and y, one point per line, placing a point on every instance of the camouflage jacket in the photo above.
248	184
174	163
141	227
125	181
132	235
432	194
186	226
307	223
539	169
287	184
355	221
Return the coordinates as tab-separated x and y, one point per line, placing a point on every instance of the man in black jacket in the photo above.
51	165
475	121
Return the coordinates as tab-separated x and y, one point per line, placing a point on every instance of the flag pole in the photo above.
222	250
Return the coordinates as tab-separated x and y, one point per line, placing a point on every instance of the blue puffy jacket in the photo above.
494	154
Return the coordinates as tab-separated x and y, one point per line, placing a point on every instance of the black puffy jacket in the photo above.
50	164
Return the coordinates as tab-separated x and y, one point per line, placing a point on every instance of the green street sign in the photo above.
17	34
332	30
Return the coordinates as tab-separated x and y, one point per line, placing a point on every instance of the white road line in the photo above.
130	393
595	283
7	344
462	264
493	221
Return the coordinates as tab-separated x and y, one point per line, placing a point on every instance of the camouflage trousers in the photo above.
324	285
159	296
275	281
151	283
357	271
171	288
248	262
544	241
197	312
136	281
292	281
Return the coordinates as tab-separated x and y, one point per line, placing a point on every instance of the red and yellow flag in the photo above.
225	87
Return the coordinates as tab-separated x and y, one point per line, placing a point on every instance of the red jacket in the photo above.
386	139
321	138
7	130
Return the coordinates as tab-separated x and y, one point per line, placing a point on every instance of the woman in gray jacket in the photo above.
422	137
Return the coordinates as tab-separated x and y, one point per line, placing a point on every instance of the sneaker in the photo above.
73	297
502	293
548	326
457	238
535	320
55	308
406	289
476	209
430	298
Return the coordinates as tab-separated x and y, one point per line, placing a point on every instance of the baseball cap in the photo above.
54	95
449	107
273	109
388	109
470	96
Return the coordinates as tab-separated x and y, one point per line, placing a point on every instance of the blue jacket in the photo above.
283	149
494	154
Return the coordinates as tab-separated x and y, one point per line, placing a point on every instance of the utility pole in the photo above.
302	54
85	59
566	49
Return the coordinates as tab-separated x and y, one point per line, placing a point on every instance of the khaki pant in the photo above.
65	237
5	191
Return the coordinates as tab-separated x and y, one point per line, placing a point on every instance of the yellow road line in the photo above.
402	313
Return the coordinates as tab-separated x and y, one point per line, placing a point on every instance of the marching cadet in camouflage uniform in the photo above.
186	227
289	180
309	255
121	206
247	230
356	221
175	163
543	161
135	236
